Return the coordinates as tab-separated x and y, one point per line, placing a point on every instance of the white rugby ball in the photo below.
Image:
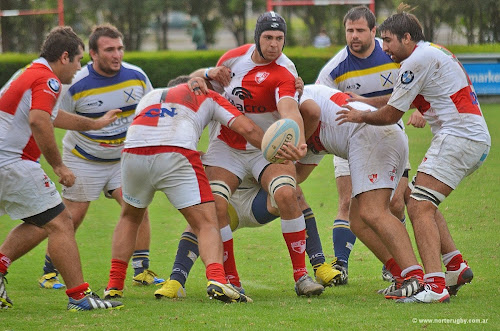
280	132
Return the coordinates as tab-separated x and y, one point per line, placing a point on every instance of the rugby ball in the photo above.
280	132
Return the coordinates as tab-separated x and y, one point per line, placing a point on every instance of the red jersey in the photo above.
255	90
35	87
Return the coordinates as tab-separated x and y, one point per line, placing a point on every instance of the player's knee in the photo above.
397	206
221	189
282	189
421	193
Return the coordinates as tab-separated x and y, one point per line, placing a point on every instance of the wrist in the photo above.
206	72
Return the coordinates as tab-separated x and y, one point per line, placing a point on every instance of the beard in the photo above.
108	70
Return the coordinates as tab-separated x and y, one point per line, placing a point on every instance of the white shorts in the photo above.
377	159
241	208
92	178
175	171
450	159
240	163
26	190
341	166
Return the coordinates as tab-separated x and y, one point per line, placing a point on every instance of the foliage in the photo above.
480	22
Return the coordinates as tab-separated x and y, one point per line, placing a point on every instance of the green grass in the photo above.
266	272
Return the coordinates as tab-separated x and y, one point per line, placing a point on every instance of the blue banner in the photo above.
485	77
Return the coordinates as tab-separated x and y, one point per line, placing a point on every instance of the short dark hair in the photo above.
59	40
178	80
403	22
104	30
358	12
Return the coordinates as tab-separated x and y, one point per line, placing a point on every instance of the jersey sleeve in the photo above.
412	77
45	92
224	112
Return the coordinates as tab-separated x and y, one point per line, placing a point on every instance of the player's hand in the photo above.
292	153
107	119
349	114
66	176
299	85
417	120
198	85
221	74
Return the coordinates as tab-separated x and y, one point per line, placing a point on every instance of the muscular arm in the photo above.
68	121
248	129
383	116
43	133
310	112
288	108
378	102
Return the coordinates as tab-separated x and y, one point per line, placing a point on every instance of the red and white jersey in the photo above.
35	87
255	90
176	117
435	81
330	137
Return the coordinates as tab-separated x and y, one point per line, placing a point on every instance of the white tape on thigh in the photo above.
221	189
279	182
421	193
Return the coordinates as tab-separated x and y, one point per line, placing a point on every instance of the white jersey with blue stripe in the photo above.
372	76
92	95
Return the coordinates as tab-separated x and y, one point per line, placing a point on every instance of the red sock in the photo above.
230	263
419	273
4	263
438	284
77	293
455	262
215	271
296	243
117	274
393	268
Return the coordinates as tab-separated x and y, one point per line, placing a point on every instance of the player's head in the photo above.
403	23
61	39
359	23
400	32
178	80
269	21
360	12
106	49
65	49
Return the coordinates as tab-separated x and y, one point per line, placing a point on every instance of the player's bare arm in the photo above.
43	133
378	102
69	121
221	74
310	112
417	120
248	129
199	86
383	116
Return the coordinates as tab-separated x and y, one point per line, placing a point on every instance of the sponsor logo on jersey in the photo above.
160	112
95	104
261	76
392	174
242	93
54	85
356	86
298	246
407	77
386	78
373	178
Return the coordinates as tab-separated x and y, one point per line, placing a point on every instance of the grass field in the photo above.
266	271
